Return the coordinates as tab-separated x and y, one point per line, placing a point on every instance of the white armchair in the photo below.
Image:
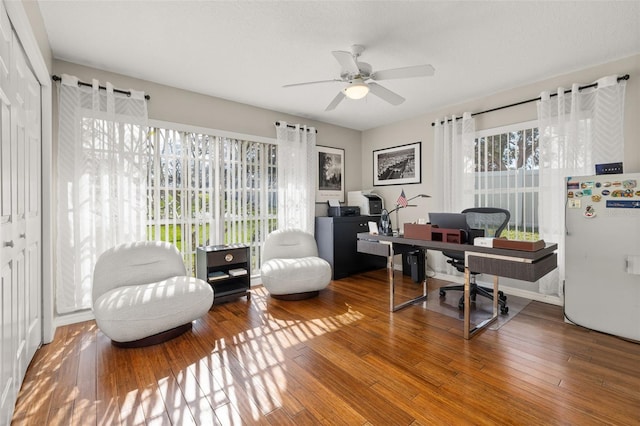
142	295
291	268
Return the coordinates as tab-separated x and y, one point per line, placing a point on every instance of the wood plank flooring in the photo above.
341	358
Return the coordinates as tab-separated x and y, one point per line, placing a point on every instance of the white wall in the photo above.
420	129
184	107
32	11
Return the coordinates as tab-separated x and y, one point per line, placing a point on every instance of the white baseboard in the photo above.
73	318
527	294
533	295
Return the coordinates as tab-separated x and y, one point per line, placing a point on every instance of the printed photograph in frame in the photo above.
330	174
399	165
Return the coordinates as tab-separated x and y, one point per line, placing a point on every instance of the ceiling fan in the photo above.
362	80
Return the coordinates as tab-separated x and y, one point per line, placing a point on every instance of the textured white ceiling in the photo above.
246	51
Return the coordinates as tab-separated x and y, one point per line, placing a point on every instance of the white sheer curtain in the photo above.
453	162
577	131
297	168
101	182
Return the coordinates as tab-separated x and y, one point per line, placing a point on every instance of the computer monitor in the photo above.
449	220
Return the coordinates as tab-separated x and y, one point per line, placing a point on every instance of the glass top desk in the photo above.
499	262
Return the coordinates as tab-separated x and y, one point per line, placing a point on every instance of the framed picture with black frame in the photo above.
330	174
399	165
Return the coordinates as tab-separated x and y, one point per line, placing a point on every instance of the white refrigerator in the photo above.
602	253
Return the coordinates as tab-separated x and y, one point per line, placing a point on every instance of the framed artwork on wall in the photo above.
330	174
399	165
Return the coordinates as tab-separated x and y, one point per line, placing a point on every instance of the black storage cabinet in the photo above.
337	239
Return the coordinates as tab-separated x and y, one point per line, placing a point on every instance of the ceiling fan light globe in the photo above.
356	90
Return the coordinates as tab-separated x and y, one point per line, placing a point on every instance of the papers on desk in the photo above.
373	228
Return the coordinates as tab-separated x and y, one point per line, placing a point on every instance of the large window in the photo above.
208	190
506	175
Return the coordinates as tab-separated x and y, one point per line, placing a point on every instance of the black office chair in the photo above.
493	221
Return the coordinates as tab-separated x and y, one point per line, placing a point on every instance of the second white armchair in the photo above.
291	268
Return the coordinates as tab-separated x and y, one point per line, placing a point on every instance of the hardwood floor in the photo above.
341	358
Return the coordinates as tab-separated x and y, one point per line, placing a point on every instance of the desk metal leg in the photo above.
392	286
467	303
468	331
392	281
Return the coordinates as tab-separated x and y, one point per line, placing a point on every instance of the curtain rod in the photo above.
291	126
624	77
82	83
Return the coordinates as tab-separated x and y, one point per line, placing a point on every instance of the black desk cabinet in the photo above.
227	269
337	244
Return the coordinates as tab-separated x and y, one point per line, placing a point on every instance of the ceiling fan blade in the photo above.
406	72
385	94
334	103
346	61
312	82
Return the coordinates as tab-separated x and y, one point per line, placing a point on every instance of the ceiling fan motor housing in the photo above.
365	72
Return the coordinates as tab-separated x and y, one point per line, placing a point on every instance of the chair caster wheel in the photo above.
505	310
443	293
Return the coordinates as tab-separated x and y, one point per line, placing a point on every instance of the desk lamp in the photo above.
385	221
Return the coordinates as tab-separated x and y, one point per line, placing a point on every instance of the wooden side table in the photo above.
227	268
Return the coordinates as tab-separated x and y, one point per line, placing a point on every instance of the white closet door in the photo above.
8	296
20	217
33	216
27	128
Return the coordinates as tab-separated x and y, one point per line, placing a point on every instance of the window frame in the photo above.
220	215
518	228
